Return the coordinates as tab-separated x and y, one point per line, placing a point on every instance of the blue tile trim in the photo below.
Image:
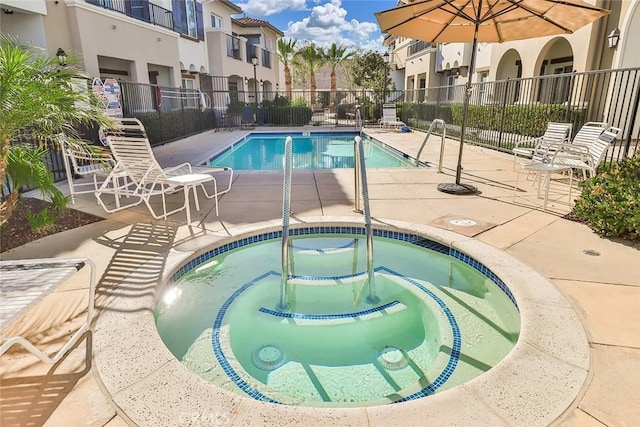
484	270
353	231
327	316
356	231
217	348
456	346
326	250
252	392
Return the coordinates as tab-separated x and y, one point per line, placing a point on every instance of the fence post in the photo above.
504	112
634	116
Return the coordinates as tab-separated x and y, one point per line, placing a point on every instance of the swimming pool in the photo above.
315	150
441	320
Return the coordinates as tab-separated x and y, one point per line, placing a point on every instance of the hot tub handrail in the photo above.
283	305
426	138
362	186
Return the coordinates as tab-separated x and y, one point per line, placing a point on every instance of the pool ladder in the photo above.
361	187
426	138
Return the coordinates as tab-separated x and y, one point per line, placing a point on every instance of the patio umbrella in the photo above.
439	21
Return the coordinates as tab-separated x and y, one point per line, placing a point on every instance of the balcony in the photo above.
138	9
417	46
263	55
233	47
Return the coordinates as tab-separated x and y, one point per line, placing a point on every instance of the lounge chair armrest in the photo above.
179	169
530	142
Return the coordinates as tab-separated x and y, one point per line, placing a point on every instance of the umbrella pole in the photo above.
457	187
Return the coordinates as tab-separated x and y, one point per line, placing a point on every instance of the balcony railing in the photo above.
416	47
252	51
139	9
266	58
233	47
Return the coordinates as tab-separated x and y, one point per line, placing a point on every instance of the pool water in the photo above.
313	151
439	322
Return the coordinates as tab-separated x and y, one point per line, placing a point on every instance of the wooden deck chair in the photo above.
147	180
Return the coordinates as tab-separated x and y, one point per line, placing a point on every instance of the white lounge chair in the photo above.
585	157
25	282
589	133
80	162
536	148
147	179
390	118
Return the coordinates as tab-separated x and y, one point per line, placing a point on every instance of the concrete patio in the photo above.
600	277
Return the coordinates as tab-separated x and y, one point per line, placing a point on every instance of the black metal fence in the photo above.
501	113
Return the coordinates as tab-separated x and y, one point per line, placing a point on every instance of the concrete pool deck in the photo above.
599	277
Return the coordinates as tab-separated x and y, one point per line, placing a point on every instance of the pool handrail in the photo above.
363	187
426	138
283	305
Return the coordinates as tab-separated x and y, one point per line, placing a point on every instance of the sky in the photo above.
350	23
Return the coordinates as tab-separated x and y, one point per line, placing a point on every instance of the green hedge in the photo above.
167	126
528	120
274	115
610	202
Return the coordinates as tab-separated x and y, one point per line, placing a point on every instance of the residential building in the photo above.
193	44
416	64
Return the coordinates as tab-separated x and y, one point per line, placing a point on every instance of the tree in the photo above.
287	50
39	101
334	55
313	57
372	72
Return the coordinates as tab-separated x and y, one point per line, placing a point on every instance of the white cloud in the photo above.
327	24
269	7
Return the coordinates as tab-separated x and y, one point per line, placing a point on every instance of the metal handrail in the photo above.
283	305
361	173
426	138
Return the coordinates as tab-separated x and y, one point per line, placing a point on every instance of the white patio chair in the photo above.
536	148
390	118
81	162
146	179
25	282
589	133
585	157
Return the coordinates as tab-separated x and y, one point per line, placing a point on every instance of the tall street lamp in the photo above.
254	61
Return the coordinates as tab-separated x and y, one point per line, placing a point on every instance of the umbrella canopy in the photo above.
440	21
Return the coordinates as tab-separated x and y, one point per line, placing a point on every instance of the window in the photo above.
216	21
189	96
451	90
188	83
192	26
482	87
233	91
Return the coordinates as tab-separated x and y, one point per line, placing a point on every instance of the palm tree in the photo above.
313	57
39	101
287	50
334	55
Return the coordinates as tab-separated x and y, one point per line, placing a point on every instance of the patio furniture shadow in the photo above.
30	400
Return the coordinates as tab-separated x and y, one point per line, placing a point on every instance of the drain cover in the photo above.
463	222
392	358
268	357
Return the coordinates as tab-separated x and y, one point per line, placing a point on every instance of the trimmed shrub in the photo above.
285	115
173	124
610	202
